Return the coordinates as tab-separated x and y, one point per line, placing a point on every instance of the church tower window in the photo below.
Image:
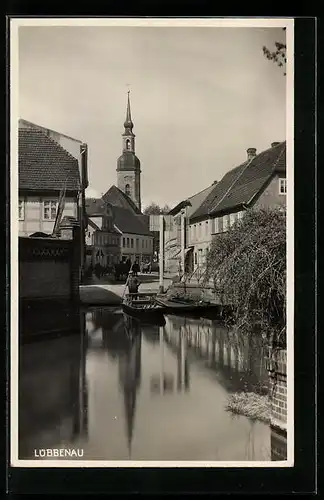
127	190
128	144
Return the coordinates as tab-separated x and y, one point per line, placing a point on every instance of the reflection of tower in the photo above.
130	378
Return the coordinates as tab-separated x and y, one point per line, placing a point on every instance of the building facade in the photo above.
176	223
137	247
78	150
128	165
102	238
259	182
135	241
45	169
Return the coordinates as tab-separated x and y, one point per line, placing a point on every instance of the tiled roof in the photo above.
93	225
128	222
124	218
94	206
240	185
117	197
218	191
253	178
193	202
44	164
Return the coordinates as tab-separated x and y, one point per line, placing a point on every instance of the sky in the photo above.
200	97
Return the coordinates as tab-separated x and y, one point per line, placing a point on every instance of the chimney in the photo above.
251	153
274	144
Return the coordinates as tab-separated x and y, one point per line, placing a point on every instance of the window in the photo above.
225	222
137	242
127	243
142	243
132	243
127	190
49	209
216	225
124	242
282	186
21	210
196	259
232	219
128	144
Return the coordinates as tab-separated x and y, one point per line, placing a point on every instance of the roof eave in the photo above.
47	191
196	218
180	206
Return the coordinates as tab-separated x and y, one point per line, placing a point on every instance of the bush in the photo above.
248	266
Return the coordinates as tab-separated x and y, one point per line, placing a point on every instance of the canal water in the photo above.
123	390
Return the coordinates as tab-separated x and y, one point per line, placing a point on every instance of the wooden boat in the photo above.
142	306
179	306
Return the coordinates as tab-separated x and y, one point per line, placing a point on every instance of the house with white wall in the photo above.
173	230
45	168
79	150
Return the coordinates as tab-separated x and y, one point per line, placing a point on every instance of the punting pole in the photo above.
161	255
183	241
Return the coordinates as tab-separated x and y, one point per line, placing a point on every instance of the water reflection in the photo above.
238	362
53	397
122	390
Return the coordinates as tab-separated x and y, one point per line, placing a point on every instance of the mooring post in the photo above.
161	255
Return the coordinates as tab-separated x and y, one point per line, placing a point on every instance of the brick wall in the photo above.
277	367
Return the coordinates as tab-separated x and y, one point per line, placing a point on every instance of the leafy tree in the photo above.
277	55
248	267
154	209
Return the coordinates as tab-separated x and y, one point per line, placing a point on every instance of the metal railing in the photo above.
197	275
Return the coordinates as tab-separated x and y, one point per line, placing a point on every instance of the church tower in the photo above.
128	165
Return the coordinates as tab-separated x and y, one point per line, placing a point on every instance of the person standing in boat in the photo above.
133	284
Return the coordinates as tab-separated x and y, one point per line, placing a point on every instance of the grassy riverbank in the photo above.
251	405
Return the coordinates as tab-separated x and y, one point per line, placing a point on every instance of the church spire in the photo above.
128	124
